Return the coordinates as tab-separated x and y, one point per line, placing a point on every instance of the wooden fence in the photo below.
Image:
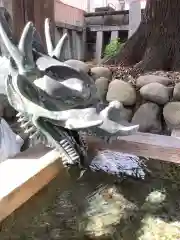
23	11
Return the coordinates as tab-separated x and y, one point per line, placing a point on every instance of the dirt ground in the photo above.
98	208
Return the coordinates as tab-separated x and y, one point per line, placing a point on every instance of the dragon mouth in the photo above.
71	146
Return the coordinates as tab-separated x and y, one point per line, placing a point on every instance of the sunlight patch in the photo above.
156	229
106	207
154	200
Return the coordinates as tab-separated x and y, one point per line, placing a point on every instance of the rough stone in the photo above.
148	116
146	79
171	113
78	65
122	92
155	92
127	114
98	72
102	87
176	92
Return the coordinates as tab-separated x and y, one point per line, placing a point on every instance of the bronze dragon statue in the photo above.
55	102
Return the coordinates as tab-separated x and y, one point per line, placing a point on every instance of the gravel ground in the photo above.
127	73
96	208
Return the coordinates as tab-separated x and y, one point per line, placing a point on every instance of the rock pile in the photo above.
150	100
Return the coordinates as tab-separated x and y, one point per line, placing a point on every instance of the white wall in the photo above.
83	4
127	2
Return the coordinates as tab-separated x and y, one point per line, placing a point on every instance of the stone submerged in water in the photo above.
122	92
155	92
146	79
118	164
148	117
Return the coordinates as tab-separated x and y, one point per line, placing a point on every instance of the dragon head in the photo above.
55	101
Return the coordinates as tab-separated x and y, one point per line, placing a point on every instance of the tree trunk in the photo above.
156	43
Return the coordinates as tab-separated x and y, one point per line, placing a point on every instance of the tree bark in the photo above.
156	43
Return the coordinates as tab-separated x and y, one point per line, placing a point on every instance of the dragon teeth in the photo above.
19	120
30	130
63	141
75	158
25	125
68	148
71	151
22	119
35	134
18	114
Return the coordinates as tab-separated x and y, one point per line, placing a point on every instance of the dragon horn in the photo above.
58	50
25	44
48	36
15	52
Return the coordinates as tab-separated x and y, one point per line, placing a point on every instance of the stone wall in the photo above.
150	100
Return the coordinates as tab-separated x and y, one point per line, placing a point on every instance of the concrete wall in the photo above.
67	14
81	4
115	20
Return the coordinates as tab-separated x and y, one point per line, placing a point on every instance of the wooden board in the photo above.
165	148
25	175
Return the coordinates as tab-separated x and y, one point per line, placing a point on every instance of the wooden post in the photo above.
18	17
74	44
31	10
44	9
114	35
79	45
99	43
68	49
